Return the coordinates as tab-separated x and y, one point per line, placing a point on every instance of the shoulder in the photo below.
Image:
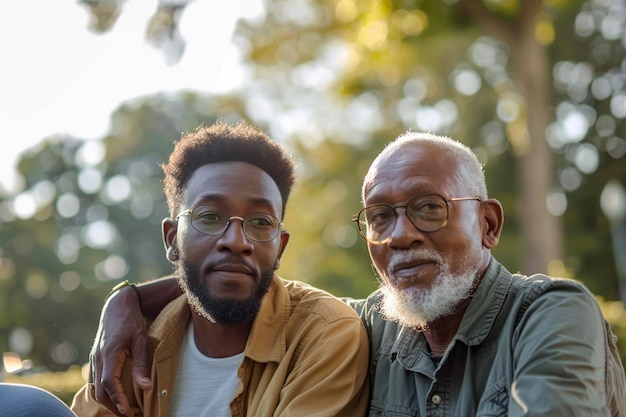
541	302
304	299
377	326
316	319
529	289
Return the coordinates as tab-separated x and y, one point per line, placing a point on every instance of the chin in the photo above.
415	307
218	309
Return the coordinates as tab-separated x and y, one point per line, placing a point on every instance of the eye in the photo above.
206	216
379	215
260	221
429	208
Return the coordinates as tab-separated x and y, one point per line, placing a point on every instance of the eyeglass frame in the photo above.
405	205
189	212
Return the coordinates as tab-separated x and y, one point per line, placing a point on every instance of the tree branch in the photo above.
489	21
530	10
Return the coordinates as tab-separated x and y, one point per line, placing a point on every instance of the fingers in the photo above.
112	391
109	390
142	353
96	370
114	346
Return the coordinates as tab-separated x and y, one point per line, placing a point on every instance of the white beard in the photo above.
416	307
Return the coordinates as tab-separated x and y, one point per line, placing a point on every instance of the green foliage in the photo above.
400	60
325	248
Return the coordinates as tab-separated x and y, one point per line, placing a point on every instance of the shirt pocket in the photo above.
495	400
384	409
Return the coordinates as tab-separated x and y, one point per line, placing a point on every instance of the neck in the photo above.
217	340
440	332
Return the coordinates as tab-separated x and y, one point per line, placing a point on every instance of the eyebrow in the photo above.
218	197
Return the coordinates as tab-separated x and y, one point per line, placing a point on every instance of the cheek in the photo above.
462	248
378	256
265	255
193	247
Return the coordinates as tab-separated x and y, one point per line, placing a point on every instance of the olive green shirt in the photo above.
527	346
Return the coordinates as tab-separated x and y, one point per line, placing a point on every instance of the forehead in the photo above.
414	168
233	185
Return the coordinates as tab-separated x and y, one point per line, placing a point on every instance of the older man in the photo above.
453	332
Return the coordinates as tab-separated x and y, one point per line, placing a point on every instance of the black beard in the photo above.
220	310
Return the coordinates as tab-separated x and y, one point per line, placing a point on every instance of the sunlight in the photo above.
90	75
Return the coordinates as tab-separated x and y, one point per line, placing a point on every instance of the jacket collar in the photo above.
267	342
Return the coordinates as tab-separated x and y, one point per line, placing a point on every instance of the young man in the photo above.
452	332
240	341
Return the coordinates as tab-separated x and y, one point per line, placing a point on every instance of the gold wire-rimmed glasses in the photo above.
259	227
427	213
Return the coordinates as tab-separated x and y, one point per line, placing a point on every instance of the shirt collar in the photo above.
476	324
486	303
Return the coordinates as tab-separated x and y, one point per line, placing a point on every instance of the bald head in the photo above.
468	167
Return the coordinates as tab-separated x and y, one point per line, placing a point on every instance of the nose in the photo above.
230	221
234	238
404	233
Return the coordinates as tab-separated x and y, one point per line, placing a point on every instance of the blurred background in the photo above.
95	93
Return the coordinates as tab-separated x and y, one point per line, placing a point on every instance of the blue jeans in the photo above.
18	400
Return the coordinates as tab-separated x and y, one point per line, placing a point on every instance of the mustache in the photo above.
411	254
230	260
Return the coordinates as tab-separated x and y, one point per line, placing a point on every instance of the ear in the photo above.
284	239
493	220
169	228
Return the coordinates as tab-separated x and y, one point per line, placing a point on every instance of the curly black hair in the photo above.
221	142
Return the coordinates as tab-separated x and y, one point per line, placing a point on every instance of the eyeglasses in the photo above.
427	213
259	227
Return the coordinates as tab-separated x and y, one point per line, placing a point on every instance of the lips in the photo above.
230	269
408	273
404	268
233	268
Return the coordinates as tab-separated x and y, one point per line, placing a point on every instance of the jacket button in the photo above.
436	399
164	392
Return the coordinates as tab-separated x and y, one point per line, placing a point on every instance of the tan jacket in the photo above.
307	355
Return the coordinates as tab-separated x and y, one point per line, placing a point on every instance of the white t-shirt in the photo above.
204	386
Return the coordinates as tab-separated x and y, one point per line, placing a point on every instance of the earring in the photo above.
172	254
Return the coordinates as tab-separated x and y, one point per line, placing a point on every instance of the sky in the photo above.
58	77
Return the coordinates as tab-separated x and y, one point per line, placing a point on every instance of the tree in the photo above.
336	80
500	75
427	65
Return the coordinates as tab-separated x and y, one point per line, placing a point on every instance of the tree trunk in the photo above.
541	232
530	68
